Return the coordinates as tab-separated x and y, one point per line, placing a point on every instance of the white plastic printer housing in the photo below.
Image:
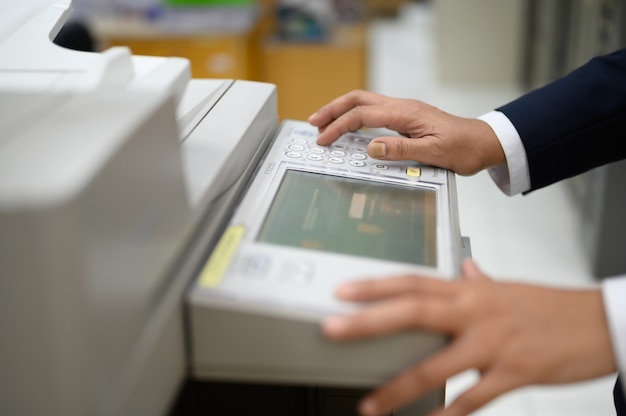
113	169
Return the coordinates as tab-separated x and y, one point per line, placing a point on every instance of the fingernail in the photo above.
335	324
346	291
376	149
368	407
311	116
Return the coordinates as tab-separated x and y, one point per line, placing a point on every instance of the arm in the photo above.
575	123
567	127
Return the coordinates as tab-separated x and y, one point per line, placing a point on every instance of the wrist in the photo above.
488	144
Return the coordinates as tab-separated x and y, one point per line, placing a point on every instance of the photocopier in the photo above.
168	247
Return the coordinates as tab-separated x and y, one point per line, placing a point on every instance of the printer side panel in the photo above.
88	319
43	353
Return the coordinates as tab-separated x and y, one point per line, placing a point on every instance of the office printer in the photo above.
118	176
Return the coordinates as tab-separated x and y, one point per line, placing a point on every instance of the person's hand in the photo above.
514	334
433	137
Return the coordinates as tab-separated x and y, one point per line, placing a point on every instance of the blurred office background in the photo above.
464	56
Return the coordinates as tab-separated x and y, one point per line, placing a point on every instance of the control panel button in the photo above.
297	273
318	150
303	132
380	166
296	147
254	266
413	172
315	158
357	163
359	156
336	160
338	153
293	154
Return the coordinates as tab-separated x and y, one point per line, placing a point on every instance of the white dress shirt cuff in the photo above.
513	176
614	293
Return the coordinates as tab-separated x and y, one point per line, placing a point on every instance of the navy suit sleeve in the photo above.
575	123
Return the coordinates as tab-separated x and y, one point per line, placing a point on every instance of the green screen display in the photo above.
353	216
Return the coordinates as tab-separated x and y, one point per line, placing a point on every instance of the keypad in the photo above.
349	152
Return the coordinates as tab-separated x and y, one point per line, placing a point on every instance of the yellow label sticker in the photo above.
214	269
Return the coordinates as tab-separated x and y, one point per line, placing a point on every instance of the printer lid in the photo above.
27	63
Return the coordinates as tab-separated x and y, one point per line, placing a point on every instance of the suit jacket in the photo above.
575	123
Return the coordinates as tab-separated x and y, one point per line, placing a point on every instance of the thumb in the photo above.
402	148
471	272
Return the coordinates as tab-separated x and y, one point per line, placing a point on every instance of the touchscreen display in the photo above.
353	216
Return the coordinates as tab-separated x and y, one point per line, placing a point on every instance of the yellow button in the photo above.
414	172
